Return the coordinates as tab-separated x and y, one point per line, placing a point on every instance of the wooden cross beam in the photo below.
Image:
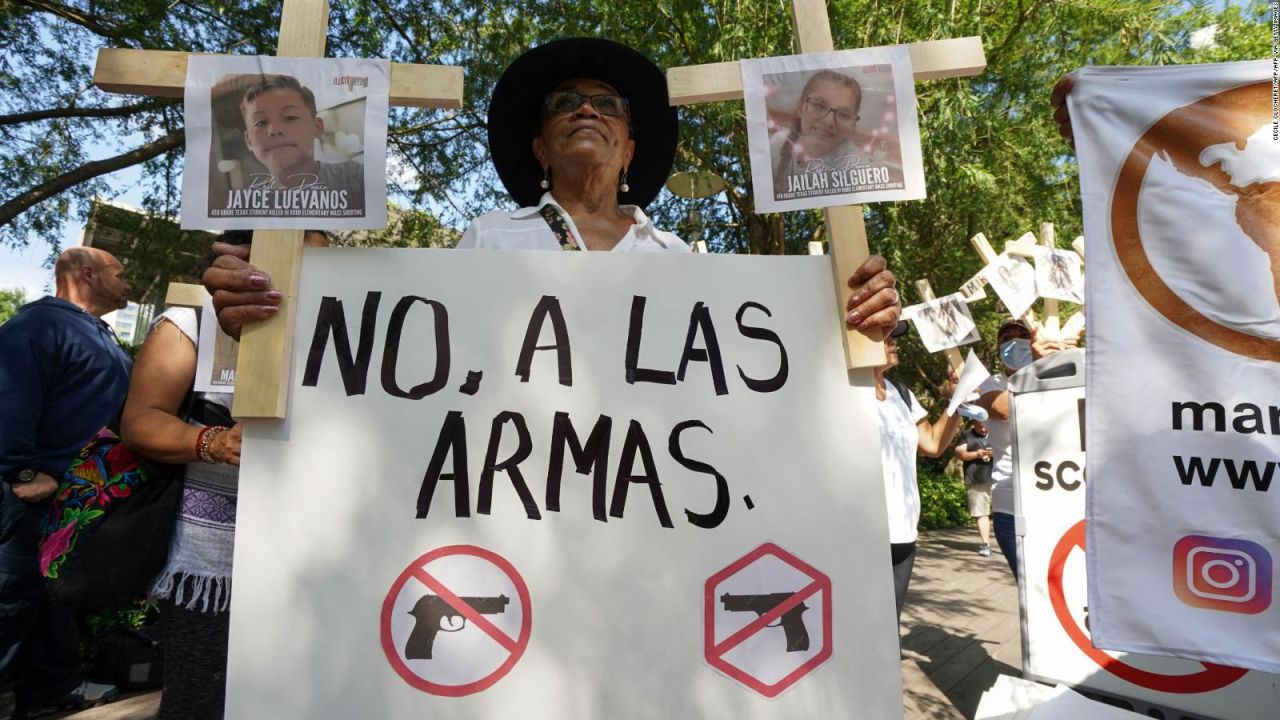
266	349
954	358
1050	304
959	57
185	295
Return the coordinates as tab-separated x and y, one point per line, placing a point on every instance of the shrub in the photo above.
943	502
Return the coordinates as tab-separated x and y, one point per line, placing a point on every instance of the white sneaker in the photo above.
984	550
93	694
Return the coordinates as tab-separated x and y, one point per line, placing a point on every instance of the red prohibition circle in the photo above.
521	642
1212	677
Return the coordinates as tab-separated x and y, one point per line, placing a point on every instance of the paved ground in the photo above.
959	631
960	628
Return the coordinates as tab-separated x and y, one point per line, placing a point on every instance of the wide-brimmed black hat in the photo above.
516	107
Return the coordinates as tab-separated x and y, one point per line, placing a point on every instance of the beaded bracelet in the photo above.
205	439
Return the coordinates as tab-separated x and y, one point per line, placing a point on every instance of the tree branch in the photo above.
45	190
73	16
78	112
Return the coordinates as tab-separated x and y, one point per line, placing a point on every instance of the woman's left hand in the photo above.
875	303
225	448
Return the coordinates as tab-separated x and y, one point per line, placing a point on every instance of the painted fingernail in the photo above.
259	280
854	319
275	294
855	299
269	308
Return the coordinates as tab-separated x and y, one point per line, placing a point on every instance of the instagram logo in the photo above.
1222	574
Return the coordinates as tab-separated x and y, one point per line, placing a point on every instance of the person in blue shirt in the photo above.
63	377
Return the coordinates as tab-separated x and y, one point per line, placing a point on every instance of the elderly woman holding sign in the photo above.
583	137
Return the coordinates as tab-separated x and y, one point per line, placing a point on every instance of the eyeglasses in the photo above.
817	110
566	101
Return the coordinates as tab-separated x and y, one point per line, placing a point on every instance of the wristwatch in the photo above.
23	476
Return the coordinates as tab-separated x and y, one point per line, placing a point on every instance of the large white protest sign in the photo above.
1048	405
564	485
1180	174
285	143
943	323
833	128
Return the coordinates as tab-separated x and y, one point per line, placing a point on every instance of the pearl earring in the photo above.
623	186
545	184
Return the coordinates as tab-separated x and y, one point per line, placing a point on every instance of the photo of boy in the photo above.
285	143
281	130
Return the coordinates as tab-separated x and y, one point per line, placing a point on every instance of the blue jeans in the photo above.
1007	539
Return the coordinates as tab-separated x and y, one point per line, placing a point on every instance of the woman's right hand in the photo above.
241	292
225	446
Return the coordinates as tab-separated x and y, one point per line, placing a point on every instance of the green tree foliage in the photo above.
10	301
992	157
155	250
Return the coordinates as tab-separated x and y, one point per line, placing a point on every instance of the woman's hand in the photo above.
241	292
875	303
1061	116
1042	345
225	446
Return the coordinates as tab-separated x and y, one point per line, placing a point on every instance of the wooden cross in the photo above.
954	358
1026	246
266	349
959	57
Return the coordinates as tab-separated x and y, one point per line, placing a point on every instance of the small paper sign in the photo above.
216	355
285	143
973	374
1058	275
835	128
1014	281
943	323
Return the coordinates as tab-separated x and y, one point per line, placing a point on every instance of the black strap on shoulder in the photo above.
902	390
559	227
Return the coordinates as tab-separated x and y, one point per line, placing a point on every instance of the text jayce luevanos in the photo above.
313	200
589	457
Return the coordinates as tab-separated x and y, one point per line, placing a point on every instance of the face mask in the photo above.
1016	354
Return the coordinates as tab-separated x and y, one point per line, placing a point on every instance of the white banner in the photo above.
835	128
1057	615
285	143
564	485
1179	171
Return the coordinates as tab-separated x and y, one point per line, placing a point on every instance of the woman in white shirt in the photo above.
904	431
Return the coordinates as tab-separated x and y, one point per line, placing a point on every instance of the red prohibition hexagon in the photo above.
715	652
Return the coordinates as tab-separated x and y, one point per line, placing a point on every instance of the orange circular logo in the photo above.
1180	137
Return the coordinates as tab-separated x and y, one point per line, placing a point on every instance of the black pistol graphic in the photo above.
791	621
431	611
